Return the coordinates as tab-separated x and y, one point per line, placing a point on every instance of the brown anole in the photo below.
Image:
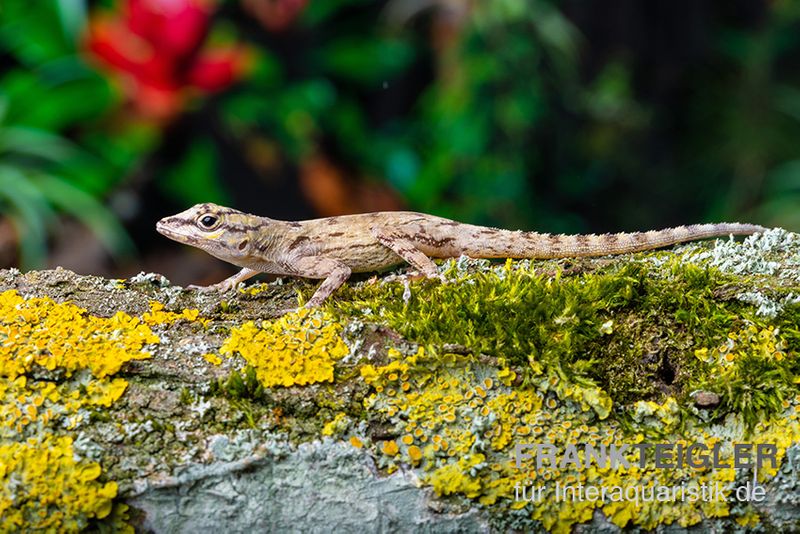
334	247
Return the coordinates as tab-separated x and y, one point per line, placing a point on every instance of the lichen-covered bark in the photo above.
397	407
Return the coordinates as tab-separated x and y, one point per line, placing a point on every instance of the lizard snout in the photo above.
161	226
168	226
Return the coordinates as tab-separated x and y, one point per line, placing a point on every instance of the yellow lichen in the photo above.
212	358
456	477
414	454
299	348
337	425
29	407
42	487
459	423
41	332
749	341
253	290
750	519
389	448
752	371
157	315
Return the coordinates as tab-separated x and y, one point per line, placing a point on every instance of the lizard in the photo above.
333	248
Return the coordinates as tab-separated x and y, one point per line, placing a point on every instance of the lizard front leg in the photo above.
406	249
229	283
333	271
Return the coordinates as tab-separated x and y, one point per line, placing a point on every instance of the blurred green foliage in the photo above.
47	92
507	77
514	127
462	148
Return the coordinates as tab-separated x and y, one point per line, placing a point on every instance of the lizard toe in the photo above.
215	288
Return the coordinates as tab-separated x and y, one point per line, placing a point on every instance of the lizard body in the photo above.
334	247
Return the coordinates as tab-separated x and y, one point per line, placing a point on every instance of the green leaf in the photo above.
30	142
367	60
72	14
33	31
29	212
59	94
88	210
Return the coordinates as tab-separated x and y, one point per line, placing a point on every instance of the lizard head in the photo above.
220	231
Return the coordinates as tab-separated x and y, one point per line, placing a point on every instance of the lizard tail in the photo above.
482	242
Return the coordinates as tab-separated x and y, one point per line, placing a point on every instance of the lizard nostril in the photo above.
243	244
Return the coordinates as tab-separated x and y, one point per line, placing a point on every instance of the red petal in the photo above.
142	20
110	42
175	27
217	69
157	102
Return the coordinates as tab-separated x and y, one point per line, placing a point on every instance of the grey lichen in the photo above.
321	486
766	306
776	252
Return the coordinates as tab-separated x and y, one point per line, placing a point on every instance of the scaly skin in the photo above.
334	247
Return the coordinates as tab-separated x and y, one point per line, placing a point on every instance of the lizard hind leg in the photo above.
406	249
334	272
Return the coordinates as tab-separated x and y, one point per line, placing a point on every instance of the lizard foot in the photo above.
283	311
221	287
416	275
311	304
422	275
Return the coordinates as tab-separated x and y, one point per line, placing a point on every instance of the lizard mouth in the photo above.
178	231
163	228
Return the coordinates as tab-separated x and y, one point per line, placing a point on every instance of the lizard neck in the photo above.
269	236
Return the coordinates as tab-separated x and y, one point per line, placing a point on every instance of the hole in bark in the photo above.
666	372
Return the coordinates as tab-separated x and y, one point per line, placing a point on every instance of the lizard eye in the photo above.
208	221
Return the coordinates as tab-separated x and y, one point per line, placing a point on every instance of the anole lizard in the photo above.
334	247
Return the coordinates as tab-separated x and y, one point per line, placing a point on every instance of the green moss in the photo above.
630	329
242	384
753	373
186	397
457	419
518	314
302	411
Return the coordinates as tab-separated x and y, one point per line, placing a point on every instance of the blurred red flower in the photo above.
156	49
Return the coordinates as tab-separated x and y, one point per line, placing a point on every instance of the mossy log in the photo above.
400	404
